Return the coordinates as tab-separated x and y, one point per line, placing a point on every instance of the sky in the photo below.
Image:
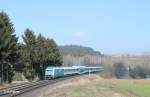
109	26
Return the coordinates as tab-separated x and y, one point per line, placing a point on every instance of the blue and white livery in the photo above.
54	72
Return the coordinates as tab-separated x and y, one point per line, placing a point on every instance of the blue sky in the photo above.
110	26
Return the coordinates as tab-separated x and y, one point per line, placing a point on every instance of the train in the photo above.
55	72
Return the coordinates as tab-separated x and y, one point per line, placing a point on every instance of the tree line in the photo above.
30	57
78	51
120	68
80	55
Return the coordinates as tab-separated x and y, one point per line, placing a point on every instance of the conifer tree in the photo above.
8	48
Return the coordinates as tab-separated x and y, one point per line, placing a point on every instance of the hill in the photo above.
76	50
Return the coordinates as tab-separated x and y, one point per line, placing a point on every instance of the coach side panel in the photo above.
58	72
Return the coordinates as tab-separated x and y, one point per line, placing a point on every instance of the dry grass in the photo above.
2	87
94	86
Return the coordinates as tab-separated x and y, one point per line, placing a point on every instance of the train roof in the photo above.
60	68
73	67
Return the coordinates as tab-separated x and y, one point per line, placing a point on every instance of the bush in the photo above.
120	69
138	72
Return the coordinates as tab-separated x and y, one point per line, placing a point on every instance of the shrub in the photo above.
120	69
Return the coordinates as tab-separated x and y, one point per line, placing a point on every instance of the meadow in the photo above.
95	86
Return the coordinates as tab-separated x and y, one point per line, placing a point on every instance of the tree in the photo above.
20	66
47	54
120	69
8	48
28	53
38	53
54	54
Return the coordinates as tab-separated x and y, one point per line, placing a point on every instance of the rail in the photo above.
26	87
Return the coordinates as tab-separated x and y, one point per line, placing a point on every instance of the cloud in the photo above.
79	35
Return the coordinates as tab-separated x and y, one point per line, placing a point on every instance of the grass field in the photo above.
138	89
95	86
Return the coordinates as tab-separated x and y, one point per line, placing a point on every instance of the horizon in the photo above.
110	27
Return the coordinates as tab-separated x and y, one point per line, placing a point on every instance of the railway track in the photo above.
19	89
15	91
